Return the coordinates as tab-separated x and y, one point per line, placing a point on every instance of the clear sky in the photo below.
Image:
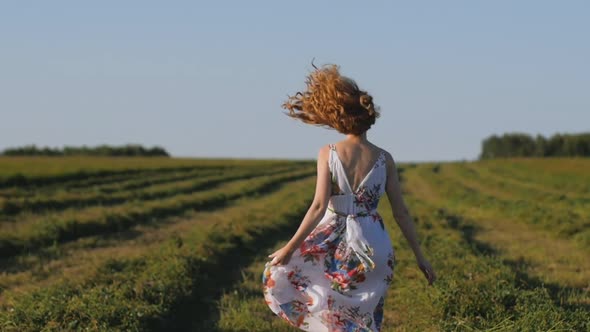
206	79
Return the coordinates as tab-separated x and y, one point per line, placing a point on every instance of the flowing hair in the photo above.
334	101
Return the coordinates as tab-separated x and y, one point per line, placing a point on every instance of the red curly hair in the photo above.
334	101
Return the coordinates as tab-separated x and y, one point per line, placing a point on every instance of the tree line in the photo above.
129	150
524	145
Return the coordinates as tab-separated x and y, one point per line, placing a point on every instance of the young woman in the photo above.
334	273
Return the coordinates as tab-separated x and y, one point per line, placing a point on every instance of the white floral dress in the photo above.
338	278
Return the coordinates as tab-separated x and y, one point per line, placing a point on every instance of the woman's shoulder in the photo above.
324	151
380	149
388	157
326	148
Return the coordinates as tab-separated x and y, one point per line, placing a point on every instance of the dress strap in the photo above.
334	171
331	158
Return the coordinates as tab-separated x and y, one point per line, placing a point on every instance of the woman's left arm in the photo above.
314	213
404	219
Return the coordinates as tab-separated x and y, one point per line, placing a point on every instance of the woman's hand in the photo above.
281	256
425	267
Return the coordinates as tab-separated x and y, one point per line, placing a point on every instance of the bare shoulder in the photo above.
388	156
323	153
390	162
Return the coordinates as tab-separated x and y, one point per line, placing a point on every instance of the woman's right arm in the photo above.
314	213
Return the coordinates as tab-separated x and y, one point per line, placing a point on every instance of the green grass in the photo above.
477	290
181	244
73	224
156	189
139	293
40	171
566	217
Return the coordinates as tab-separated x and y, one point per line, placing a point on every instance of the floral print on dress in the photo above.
368	197
294	312
320	241
267	280
298	279
347	319
331	283
390	264
344	269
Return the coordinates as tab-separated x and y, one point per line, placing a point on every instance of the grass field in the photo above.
163	244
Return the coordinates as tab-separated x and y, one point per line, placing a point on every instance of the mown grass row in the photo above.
566	223
87	176
93	182
148	177
47	230
480	290
147	181
36	172
14	199
556	174
139	180
176	286
42	166
484	181
160	188
38	267
77	184
534	184
477	290
551	205
558	260
170	287
538	249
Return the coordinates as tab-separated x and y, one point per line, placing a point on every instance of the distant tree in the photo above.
540	146
524	145
555	146
128	150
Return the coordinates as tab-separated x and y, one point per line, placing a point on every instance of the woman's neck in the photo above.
362	138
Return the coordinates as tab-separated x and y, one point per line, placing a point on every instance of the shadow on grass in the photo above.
211	278
468	231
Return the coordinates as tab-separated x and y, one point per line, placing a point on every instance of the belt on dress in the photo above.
355	238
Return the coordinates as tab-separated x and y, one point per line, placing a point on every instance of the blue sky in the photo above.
206	79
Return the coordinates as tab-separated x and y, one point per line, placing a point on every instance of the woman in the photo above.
334	273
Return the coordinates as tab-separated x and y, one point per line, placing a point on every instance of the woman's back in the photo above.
357	159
